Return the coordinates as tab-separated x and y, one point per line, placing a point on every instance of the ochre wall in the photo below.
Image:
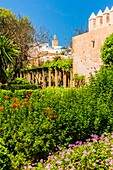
86	50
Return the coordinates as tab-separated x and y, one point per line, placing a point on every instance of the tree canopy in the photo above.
22	33
107	50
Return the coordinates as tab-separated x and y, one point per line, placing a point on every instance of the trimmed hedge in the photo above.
13	87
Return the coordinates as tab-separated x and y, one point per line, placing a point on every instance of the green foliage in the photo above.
13	87
55	116
65	64
8	54
95	153
63	53
79	80
20	30
20	81
107	50
5	161
59	64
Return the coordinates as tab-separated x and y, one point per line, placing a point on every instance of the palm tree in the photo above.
8	54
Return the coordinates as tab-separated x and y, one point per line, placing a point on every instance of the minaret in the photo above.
54	41
106	17
92	22
111	15
99	19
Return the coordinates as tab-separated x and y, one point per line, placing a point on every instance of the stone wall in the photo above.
86	50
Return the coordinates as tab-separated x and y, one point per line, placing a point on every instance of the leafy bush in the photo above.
79	81
13	87
36	125
5	162
107	50
20	81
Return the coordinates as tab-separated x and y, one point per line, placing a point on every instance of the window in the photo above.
93	43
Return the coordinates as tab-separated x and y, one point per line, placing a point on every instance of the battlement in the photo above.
102	19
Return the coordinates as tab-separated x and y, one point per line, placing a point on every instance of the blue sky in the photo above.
61	17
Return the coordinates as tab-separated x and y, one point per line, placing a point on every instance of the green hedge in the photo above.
13	87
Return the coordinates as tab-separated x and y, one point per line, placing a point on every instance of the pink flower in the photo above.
107	160
67	159
88	140
84	153
94	164
112	136
111	162
89	144
93	150
59	162
68	153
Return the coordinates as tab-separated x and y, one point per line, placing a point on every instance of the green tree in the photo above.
21	31
107	51
8	54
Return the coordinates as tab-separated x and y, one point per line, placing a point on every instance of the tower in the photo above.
106	17
99	19
92	22
54	41
111	15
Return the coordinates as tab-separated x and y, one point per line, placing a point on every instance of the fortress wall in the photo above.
86	50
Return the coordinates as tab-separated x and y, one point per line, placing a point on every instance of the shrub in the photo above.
13	87
5	162
95	153
20	81
107	50
53	116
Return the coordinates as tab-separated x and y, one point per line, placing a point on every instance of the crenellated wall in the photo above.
86	47
102	19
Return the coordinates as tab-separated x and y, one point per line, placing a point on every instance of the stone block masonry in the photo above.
86	47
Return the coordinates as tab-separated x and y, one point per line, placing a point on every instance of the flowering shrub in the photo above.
34	124
95	153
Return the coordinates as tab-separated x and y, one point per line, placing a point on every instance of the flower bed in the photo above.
95	153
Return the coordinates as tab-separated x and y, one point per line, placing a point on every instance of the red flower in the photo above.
1	107
25	103
0	129
6	97
47	111
17	104
13	105
51	117
55	116
14	99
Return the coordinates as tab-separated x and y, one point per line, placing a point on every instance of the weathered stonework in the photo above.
86	47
